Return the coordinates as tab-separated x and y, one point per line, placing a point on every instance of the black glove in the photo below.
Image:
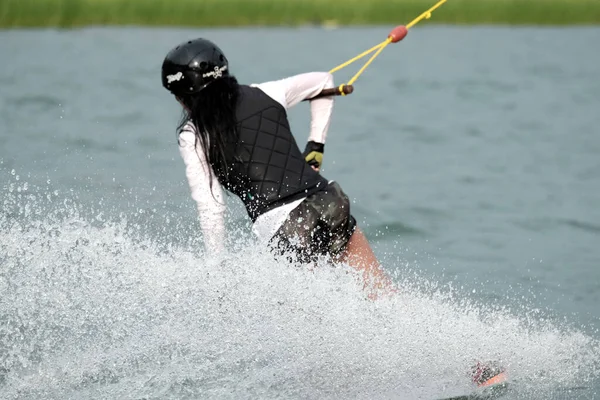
313	154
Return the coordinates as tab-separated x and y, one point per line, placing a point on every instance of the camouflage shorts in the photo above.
320	225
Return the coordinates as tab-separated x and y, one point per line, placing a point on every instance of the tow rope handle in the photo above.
341	90
396	35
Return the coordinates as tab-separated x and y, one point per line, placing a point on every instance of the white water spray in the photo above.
92	308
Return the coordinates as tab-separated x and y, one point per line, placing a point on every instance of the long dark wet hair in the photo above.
213	113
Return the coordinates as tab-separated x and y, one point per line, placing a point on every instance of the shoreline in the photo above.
292	13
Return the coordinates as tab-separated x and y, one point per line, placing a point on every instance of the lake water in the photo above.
472	156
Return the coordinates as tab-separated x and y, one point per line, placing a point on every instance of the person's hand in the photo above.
313	154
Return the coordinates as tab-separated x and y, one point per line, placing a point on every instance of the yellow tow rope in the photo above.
396	35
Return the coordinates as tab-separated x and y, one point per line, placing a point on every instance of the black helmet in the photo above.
192	66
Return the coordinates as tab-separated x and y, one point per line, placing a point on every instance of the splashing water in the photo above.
91	308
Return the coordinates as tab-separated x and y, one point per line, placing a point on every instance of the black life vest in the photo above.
265	166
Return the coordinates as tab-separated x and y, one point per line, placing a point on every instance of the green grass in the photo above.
75	13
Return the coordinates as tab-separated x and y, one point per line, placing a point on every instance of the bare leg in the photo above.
359	255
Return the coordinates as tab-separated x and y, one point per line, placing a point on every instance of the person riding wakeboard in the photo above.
237	138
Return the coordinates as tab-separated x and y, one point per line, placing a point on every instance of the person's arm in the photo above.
210	203
291	91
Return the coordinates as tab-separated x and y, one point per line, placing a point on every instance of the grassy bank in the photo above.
73	13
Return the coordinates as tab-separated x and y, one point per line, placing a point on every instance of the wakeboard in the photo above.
491	382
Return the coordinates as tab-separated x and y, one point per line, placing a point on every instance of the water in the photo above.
471	155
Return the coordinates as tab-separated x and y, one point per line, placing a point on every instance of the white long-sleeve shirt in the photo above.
211	205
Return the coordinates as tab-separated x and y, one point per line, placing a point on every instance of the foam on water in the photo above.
92	308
